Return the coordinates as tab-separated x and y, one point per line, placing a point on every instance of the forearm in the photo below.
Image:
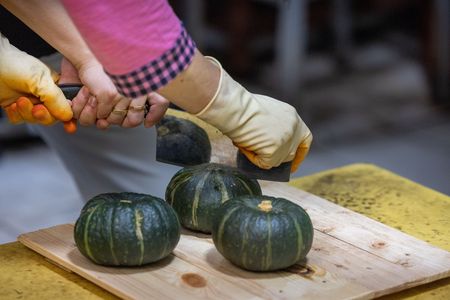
193	88
143	47
49	19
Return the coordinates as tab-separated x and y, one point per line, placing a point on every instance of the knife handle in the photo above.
281	173
70	90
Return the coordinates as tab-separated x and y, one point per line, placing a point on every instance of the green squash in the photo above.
126	229
262	233
182	142
196	192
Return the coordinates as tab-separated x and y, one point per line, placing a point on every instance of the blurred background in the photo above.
370	78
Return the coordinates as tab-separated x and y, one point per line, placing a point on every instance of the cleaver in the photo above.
223	150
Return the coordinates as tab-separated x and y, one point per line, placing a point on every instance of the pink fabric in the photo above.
158	72
125	35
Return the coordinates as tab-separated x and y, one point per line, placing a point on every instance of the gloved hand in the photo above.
24	75
269	132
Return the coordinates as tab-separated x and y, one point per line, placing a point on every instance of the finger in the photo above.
100	85
42	115
254	158
108	99
34	100
301	153
89	114
70	126
53	98
136	112
119	112
25	107
102	124
158	107
13	115
80	101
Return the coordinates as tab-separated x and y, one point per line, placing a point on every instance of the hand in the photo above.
131	113
24	75
269	132
85	104
103	93
126	113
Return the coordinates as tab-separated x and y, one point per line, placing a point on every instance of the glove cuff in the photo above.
217	63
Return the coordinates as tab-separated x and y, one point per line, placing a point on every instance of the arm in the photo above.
49	19
120	53
142	36
143	47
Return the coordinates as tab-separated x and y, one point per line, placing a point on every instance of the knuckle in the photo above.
133	122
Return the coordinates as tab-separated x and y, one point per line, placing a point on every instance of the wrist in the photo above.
195	87
82	60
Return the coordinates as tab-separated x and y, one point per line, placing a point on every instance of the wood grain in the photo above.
352	257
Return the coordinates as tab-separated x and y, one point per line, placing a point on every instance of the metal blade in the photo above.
224	152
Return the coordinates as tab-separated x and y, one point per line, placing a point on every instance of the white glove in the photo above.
269	132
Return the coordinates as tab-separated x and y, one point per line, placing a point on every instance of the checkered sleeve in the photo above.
158	72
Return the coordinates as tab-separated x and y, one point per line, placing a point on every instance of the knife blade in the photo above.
224	152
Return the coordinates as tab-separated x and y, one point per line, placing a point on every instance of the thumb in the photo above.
301	153
53	98
254	158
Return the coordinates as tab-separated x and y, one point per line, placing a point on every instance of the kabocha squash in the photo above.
182	142
261	233
196	192
126	229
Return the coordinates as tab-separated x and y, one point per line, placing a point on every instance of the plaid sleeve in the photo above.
159	72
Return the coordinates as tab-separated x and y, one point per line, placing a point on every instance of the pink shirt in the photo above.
140	43
125	34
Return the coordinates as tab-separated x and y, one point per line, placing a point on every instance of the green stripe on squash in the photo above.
196	192
126	229
262	233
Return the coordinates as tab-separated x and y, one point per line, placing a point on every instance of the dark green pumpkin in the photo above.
182	142
196	192
126	229
262	233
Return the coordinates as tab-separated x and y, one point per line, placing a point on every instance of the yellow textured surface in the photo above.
367	189
394	201
25	274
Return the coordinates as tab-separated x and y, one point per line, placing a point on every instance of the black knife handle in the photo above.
281	173
70	90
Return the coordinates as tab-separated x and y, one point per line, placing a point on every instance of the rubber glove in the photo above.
24	75
269	132
30	110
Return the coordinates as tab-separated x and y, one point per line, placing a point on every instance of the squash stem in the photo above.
265	205
163	130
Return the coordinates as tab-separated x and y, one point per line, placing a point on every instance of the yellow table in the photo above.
367	189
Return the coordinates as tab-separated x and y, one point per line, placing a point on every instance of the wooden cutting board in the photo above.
353	257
